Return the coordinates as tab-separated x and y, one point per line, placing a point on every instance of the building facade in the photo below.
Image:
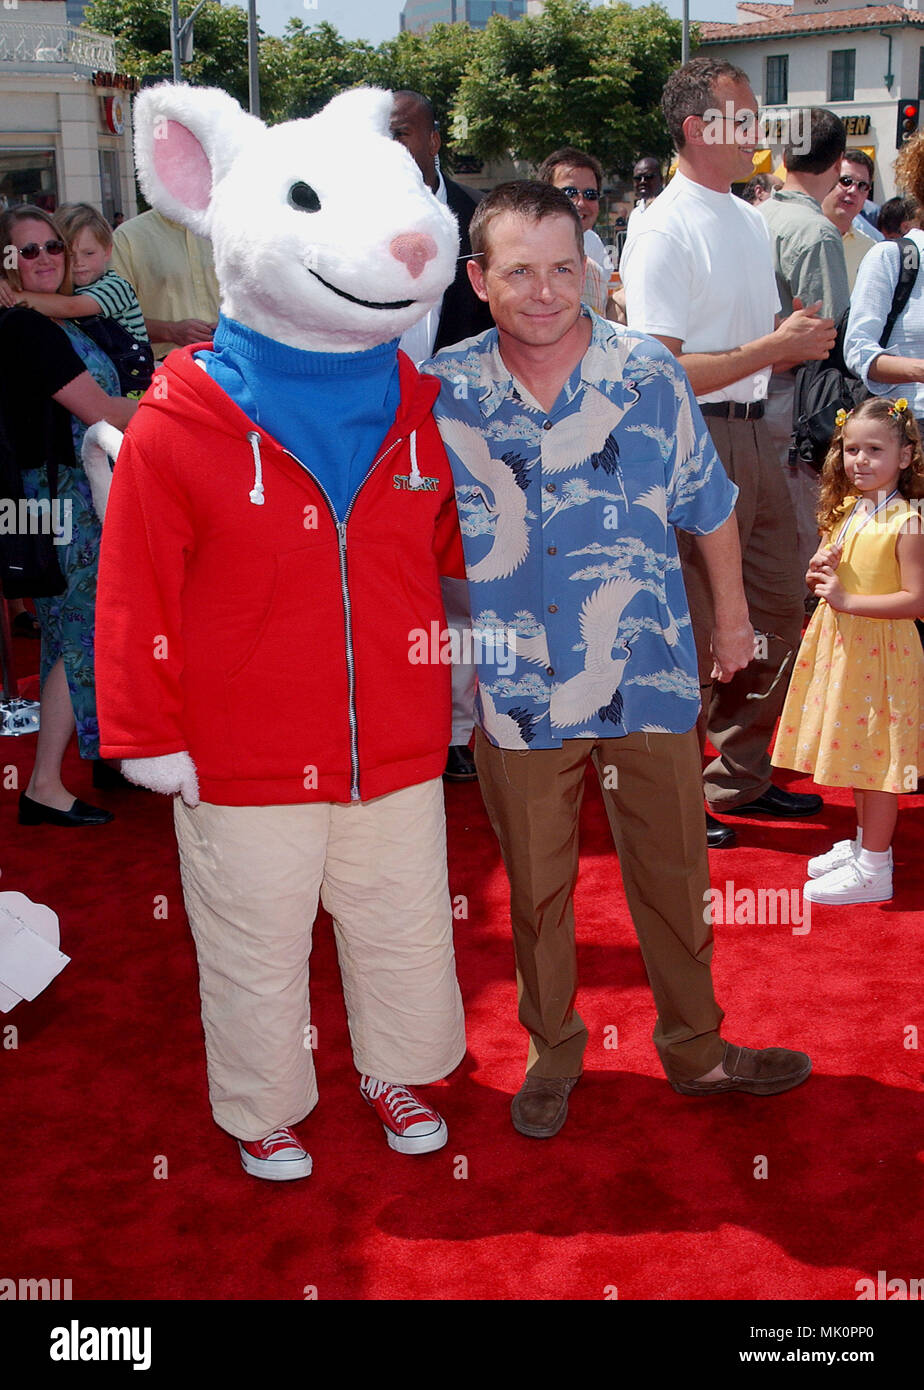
420	15
863	63
64	113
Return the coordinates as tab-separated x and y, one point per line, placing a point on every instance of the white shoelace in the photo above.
282	1136
400	1101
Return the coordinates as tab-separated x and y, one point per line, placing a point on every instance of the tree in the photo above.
322	63
577	74
433	63
142	31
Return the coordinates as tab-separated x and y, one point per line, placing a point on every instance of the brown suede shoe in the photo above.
540	1106
763	1071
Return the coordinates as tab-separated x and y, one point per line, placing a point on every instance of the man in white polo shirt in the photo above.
698	275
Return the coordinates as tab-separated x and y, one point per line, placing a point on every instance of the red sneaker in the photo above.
410	1126
278	1157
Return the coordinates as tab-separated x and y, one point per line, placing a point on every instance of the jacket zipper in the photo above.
347	606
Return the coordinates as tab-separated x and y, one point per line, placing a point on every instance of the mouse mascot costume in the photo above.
280	513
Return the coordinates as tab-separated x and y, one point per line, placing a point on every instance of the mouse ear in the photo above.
186	139
362	108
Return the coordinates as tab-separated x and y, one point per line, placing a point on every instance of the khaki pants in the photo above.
741	729
252	877
655	810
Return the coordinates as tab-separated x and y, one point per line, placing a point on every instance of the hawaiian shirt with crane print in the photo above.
580	621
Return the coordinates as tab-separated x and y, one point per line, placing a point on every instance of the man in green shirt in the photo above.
808	257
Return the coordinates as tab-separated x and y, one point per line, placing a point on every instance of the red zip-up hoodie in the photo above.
236	619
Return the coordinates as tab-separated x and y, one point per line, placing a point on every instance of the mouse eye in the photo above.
302	195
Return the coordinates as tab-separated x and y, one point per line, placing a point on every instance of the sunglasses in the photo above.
590	195
32	250
846	181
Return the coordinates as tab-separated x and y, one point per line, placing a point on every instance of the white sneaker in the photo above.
849	884
279	1157
841	853
835	858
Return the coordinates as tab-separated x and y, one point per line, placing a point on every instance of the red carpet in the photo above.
114	1176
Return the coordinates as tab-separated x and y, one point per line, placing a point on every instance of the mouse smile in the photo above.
366	303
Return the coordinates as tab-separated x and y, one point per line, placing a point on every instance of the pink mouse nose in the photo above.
414	249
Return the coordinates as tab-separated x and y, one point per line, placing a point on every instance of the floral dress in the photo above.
68	619
854	714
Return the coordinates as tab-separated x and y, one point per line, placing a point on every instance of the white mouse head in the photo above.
323	233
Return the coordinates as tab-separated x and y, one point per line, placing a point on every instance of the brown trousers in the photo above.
651	789
741	729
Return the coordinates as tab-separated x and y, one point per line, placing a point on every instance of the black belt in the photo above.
735	410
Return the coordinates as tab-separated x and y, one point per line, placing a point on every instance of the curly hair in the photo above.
835	486
909	168
27	213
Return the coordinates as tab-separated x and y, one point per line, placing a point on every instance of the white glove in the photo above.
170	774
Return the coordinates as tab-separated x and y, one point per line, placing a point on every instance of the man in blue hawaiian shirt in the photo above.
577	447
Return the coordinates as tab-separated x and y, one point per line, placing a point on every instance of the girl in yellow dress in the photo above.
854	715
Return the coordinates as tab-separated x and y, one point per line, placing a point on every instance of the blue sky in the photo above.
378	19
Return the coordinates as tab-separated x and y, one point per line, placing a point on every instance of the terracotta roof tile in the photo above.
785	22
768	11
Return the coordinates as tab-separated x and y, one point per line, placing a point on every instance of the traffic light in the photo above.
909	114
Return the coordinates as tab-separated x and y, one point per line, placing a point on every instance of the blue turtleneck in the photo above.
326	408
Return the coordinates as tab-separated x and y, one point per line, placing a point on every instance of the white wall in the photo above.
809	69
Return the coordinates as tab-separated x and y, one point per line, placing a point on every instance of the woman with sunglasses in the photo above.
898	368
54	382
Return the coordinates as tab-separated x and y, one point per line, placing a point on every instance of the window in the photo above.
777	86
111	197
28	176
843	65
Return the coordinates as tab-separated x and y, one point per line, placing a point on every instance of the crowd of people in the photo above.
704	557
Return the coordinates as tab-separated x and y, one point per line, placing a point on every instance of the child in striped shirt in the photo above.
97	290
104	303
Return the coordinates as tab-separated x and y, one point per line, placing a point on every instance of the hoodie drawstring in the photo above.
256	493
416	481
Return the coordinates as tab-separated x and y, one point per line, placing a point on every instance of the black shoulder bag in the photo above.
28	555
824	388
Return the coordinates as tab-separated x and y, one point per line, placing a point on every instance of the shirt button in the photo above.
553	607
550	670
553	550
550	487
547	425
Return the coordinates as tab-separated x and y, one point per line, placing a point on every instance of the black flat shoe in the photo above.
81	813
460	765
26	625
780	805
719	836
